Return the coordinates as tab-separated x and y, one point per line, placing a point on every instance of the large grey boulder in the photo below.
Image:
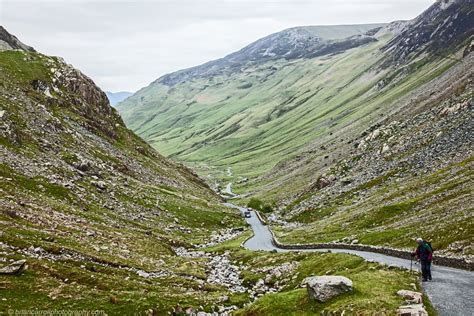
324	288
16	267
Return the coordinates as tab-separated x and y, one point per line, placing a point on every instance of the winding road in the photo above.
451	291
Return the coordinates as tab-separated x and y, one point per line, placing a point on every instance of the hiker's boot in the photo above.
424	280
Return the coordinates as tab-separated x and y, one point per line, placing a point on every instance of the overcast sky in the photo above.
125	44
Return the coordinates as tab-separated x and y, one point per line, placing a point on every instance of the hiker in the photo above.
424	253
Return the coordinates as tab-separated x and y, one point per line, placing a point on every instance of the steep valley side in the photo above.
369	142
93	220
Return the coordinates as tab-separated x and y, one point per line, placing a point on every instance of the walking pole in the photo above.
411	263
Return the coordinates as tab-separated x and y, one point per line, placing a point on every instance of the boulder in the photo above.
323	182
324	288
412	310
99	185
83	165
16	267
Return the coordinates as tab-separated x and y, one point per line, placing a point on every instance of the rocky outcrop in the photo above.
16	267
469	49
324	288
446	24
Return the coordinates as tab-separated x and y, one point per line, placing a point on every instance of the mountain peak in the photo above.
292	43
446	24
9	41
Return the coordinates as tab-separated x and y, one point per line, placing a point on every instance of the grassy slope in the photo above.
353	119
421	187
214	123
298	120
46	202
217	123
394	213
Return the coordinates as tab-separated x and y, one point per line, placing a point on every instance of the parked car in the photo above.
247	214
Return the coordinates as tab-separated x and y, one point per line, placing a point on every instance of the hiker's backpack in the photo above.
429	244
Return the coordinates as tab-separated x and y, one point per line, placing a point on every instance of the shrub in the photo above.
255	204
259	205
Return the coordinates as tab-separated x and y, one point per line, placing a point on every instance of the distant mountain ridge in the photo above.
117	97
447	23
292	43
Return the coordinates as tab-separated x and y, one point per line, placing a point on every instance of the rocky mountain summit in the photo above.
444	25
293	43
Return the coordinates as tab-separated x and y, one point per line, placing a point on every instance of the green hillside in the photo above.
107	225
91	207
254	119
349	135
291	133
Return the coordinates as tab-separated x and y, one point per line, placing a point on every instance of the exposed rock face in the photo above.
324	288
469	49
9	41
16	267
83	96
445	24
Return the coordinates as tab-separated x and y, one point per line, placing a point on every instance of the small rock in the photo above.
99	185
16	267
412	310
143	274
411	297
